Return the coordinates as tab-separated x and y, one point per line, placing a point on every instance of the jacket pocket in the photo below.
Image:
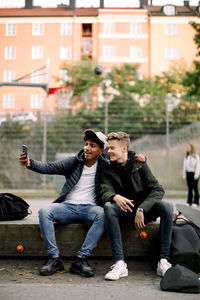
136	180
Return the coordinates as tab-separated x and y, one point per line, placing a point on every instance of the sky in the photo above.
88	3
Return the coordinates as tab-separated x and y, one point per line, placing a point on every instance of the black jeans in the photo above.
161	209
192	185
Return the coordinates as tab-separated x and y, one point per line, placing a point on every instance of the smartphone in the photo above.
25	149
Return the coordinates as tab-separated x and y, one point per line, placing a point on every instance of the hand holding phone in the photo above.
25	149
24	159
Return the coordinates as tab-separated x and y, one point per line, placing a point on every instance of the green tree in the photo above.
192	78
82	77
189	109
136	106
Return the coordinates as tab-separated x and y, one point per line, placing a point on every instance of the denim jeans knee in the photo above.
109	209
166	207
97	212
43	212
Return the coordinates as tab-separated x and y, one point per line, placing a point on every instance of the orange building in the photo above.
111	36
171	35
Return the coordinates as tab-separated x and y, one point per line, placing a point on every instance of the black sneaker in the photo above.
80	266
51	266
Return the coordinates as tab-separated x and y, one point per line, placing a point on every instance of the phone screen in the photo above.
24	149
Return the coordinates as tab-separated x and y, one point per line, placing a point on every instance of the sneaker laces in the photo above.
164	264
115	268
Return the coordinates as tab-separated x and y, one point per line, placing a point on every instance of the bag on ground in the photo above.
185	247
180	279
13	207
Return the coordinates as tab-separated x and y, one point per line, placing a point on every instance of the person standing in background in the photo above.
191	172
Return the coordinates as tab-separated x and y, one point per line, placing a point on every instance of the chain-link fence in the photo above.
163	139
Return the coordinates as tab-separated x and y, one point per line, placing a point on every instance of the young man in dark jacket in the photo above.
78	202
131	192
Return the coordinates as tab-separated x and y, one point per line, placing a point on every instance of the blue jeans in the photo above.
161	209
64	213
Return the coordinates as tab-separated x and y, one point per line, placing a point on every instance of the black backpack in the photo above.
185	247
180	279
13	207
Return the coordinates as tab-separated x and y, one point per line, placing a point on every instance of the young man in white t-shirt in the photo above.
78	202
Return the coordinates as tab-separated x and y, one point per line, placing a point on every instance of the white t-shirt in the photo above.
84	191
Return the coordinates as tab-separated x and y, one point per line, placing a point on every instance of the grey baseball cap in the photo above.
98	135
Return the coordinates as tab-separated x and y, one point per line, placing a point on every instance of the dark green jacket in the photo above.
147	189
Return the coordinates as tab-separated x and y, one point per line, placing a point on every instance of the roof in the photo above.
47	12
180	10
65	12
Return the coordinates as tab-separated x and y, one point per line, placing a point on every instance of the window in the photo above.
66	29
37	76
171	29
136	52
8	75
10	52
35	101
38	29
136	28
11	29
108	51
8	101
87	45
171	53
37	52
65	52
86	29
108	28
169	10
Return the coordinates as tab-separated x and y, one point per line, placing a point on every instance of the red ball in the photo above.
143	235
20	248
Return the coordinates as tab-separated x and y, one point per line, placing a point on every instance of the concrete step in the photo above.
69	238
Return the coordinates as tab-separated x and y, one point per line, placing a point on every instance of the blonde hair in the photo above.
119	136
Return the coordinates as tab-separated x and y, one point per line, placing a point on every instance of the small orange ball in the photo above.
20	248
143	235
95	246
41	236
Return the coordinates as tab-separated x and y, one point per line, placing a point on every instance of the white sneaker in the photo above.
163	266
194	205
118	270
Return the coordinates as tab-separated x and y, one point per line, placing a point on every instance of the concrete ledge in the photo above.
70	237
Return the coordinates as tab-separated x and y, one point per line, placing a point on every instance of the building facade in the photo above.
150	36
172	35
